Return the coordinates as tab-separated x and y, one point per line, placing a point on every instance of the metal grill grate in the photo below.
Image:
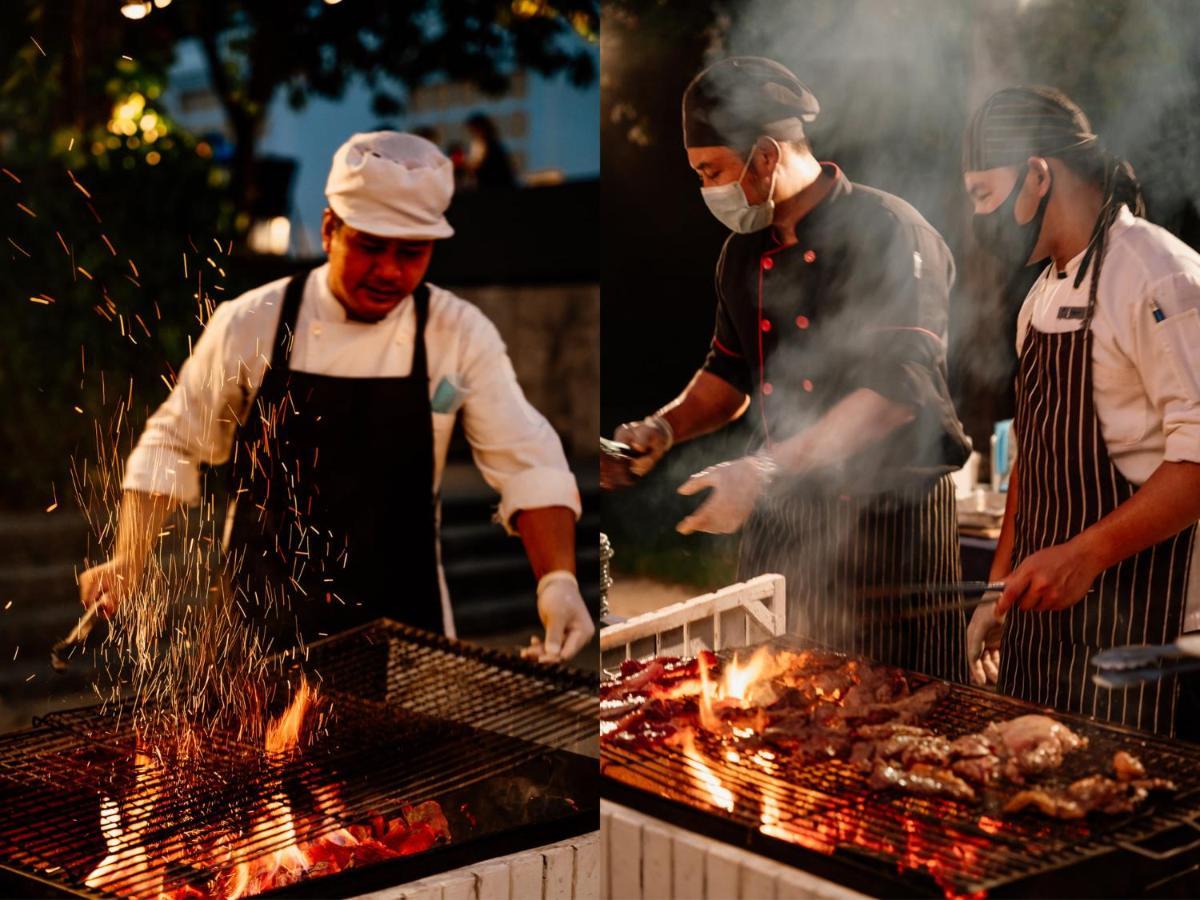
412	717
828	808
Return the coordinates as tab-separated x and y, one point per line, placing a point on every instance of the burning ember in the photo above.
308	844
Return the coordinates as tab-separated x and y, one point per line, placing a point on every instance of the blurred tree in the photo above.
254	50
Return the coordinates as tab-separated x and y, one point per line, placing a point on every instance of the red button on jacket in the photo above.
768	263
801	321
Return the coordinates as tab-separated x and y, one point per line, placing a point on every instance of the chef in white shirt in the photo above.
332	395
1098	547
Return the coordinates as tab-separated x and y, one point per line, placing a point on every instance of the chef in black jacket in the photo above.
831	317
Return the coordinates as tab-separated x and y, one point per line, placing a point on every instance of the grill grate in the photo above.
412	717
827	806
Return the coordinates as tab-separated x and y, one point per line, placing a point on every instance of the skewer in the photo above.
60	653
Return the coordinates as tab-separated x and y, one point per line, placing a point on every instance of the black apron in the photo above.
835	550
335	520
1067	482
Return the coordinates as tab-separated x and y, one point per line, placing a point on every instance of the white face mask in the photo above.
729	204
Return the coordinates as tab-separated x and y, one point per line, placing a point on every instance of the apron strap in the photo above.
420	367
285	332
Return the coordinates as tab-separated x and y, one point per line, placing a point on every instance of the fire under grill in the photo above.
824	817
431	755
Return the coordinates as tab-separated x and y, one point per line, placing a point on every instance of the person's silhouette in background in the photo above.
487	158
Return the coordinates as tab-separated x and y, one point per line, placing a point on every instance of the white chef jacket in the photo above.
1145	374
515	448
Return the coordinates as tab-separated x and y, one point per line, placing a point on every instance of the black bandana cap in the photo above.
1019	122
735	101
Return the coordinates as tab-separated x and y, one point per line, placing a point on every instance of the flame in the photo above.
739	678
708	717
721	796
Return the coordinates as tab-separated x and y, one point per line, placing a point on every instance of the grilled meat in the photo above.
1095	793
1034	744
920	778
1127	767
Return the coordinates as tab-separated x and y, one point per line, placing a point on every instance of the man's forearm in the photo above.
854	423
548	534
1167	503
141	521
706	404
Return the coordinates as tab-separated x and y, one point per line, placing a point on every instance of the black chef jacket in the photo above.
861	301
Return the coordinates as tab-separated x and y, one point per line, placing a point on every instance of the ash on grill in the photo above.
836	755
424	754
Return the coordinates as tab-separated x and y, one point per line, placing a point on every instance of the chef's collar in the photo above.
841	187
1123	220
329	309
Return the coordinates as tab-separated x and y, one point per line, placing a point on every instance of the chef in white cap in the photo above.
333	394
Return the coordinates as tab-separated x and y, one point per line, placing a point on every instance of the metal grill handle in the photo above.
1160	855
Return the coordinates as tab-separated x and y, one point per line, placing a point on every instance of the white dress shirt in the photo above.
1145	373
515	448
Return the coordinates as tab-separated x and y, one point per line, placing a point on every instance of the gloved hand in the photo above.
652	438
983	641
736	486
566	618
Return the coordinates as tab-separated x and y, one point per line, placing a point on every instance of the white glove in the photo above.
565	616
983	641
652	438
736	486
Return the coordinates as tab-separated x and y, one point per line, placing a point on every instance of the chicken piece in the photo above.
920	778
1127	767
1034	744
1095	793
981	770
1050	803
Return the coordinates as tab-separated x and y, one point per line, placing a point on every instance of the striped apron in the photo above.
1067	482
837	552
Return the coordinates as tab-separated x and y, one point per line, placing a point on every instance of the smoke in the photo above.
896	82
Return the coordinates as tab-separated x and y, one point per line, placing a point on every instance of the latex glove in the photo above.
736	486
652	438
1051	579
565	616
983	641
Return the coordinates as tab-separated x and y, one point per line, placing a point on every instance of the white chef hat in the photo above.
391	184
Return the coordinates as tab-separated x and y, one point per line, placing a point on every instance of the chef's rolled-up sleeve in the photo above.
195	425
515	448
1168	360
726	359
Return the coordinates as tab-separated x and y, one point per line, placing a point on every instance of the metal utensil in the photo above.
1137	656
616	464
889	592
979	588
60	653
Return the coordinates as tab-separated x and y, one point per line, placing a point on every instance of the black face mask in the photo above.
1000	235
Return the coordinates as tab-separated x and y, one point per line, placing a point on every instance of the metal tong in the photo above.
616	465
976	591
1135	664
61	653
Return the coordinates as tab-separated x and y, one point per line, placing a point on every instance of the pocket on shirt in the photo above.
1179	337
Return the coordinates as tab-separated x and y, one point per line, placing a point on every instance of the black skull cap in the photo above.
735	101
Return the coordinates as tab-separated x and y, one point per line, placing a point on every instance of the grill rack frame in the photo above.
1156	822
535	716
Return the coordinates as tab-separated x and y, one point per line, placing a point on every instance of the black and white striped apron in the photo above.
835	551
1067	482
